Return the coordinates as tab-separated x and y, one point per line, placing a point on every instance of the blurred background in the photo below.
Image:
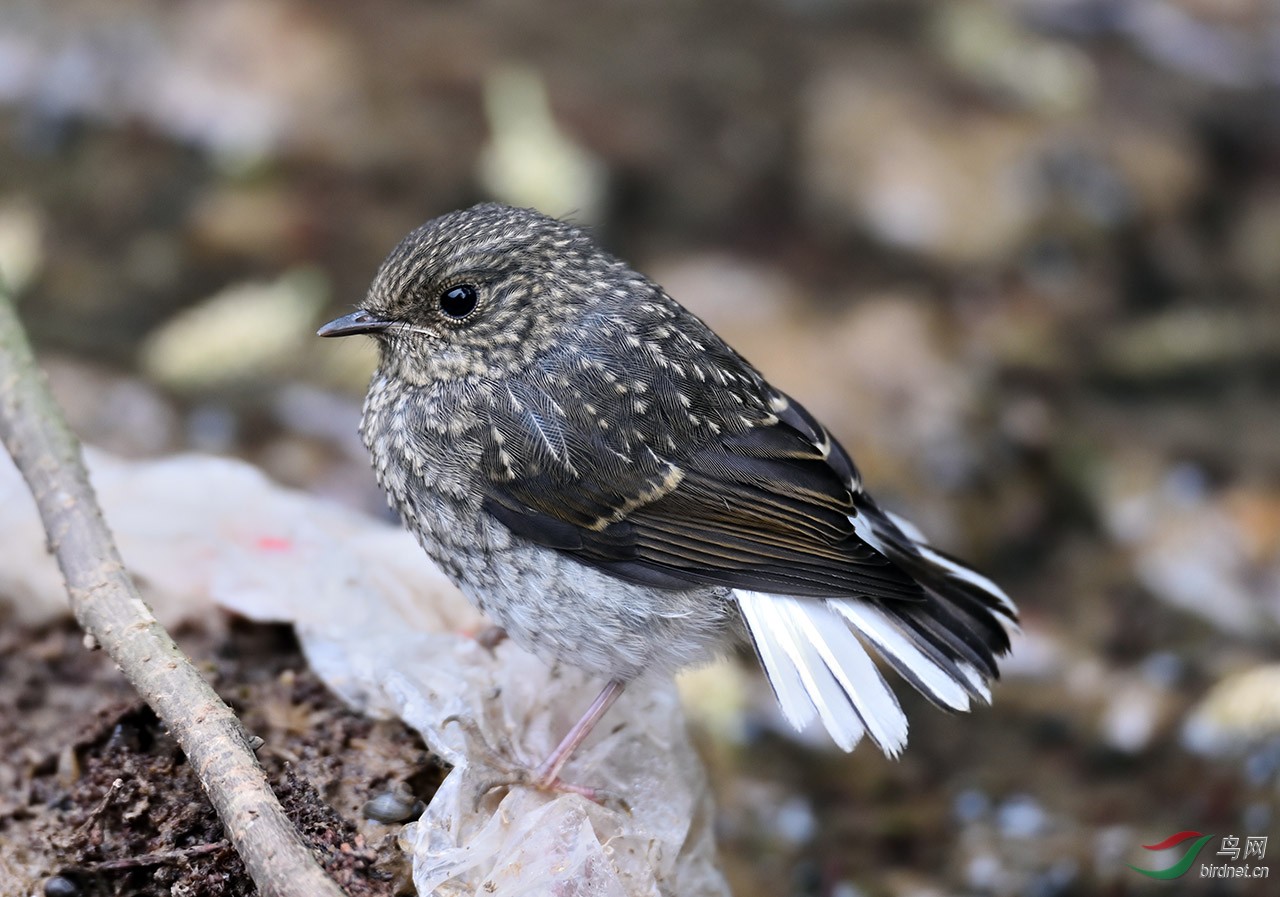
1023	256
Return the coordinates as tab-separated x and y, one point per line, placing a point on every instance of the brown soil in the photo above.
96	799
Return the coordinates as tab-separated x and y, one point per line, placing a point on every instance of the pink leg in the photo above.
547	774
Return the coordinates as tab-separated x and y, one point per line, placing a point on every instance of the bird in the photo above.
620	491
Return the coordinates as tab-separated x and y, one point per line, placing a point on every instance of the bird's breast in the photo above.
425	456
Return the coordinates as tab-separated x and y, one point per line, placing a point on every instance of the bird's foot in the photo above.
506	771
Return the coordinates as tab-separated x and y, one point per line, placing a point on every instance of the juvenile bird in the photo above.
620	491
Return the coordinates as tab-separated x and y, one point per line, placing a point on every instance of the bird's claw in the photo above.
499	757
508	771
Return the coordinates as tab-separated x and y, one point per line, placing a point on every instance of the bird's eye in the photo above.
459	301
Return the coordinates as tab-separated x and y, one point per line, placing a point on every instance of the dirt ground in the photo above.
96	799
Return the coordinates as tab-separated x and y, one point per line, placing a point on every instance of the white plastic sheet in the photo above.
385	629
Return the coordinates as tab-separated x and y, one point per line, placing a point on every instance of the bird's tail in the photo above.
815	651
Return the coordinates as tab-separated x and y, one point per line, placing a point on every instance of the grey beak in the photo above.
359	321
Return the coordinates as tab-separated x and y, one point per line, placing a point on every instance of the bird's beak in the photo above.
359	321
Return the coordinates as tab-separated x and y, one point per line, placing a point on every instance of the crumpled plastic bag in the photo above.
389	633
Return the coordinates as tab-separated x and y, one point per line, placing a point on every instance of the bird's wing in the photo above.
759	499
682	469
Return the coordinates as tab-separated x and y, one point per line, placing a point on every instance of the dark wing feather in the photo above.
739	487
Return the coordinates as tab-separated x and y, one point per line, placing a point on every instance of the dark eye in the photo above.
459	301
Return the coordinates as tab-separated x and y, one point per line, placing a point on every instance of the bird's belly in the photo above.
564	610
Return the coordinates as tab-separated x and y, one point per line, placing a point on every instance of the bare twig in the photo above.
108	607
161	858
102	805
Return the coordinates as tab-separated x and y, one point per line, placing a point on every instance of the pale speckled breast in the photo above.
427	472
546	601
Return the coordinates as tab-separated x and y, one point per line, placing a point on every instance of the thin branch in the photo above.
109	608
161	858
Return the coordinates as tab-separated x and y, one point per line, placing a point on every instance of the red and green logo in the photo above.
1179	868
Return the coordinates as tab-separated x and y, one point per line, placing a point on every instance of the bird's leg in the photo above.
548	774
546	777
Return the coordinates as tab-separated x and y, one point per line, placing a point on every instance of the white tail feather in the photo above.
804	643
798	659
862	527
959	571
814	654
975	679
909	529
963	573
932	679
851	666
783	676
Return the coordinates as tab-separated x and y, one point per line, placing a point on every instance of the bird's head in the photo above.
482	292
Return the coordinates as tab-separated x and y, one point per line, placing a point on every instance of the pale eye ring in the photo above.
460	301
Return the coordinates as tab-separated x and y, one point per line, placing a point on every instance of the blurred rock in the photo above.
212	428
1256	510
986	43
1183	35
898	392
900	882
1254	240
528	160
239	336
715	697
1226	43
1187	339
21	243
847	889
955	185
1028	421
968	185
1021	816
1037	653
155	260
254	220
345	364
1111	845
1164	669
1157	162
121	414
293	460
1192	546
1241	710
971	805
243	79
249	77
1132	716
986	873
1019	331
308	411
763	808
